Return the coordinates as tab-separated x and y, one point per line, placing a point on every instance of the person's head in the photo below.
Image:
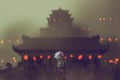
58	55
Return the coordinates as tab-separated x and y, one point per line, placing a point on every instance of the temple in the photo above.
60	35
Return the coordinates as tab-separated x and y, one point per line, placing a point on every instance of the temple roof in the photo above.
61	44
59	18
60	10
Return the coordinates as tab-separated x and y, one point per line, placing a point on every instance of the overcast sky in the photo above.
31	14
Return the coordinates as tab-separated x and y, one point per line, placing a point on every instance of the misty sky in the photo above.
27	16
18	17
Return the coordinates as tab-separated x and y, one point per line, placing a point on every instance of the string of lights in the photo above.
102	39
107	19
9	41
115	60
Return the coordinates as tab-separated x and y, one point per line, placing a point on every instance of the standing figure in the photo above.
60	69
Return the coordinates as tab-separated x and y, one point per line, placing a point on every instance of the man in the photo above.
60	69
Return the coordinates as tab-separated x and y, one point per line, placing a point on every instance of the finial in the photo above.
60	8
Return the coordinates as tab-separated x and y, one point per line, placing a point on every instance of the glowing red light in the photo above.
110	39
99	56
25	57
90	57
116	60
71	56
48	57
14	58
116	39
41	56
34	58
102	39
110	61
80	57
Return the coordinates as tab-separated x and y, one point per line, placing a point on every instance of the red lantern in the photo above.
116	59
110	61
110	39
41	56
71	56
25	57
99	56
90	57
80	57
48	57
34	58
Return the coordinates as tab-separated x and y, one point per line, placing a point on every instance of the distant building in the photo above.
60	35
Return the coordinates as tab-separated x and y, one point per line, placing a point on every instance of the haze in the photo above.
18	17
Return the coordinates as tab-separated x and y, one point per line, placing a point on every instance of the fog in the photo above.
26	17
78	71
35	12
